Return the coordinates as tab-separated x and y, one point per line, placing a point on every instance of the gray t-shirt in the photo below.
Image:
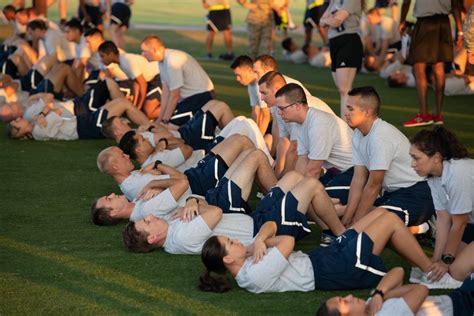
136	181
180	70
326	137
160	206
254	95
433	305
189	237
352	23
454	190
425	8
274	273
59	127
385	148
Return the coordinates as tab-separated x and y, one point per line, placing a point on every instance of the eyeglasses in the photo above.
282	108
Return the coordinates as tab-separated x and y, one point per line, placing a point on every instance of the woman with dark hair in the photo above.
438	155
350	262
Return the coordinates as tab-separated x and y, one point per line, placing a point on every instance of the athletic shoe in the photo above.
419	120
446	282
415	275
227	56
438	119
327	240
209	56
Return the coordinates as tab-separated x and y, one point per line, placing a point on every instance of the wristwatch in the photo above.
155	165
375	292
448	259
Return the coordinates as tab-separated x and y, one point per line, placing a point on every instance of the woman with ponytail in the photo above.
438	155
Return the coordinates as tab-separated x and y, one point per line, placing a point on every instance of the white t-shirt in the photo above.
81	49
298	57
136	181
160	206
389	30
274	273
289	129
454	190
322	59
324	136
385	148
37	106
433	305
134	65
254	95
172	158
55	43
189	237
180	70
59	127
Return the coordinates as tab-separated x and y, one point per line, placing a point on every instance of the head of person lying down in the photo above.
19	128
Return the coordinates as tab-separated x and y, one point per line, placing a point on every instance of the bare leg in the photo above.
243	173
464	263
439	83
114	89
231	147
389	228
310	192
118	107
291	157
210	41
151	108
308	34
228	40
345	78
220	110
62	74
421	86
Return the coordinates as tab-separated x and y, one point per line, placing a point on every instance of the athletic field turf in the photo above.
54	261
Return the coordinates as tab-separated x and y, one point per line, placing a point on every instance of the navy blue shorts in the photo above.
120	14
46	86
89	125
7	67
468	235
283	210
206	174
198	132
414	205
93	78
214	143
347	264
463	298
330	174
228	196
31	80
6	50
93	99
187	107
127	87
153	88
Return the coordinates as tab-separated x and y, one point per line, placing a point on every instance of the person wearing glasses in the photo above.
324	140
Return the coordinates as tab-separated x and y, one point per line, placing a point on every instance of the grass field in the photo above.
54	261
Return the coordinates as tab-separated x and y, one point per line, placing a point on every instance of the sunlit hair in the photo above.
439	140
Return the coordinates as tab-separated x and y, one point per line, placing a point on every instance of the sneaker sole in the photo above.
418	124
438	286
414	280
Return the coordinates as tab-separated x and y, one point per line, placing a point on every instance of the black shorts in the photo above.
120	14
219	20
93	78
468	235
31	80
186	108
153	88
6	50
346	51
228	196
94	13
313	15
281	21
46	86
432	41
206	174
93	99
199	131
127	87
7	67
89	125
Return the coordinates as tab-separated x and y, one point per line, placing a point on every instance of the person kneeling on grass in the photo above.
390	297
351	262
61	124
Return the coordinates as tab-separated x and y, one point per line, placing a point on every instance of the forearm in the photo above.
404	11
267	231
172	172
164	101
313	168
443	224
282	149
171	105
391	281
369	194
141	94
455	234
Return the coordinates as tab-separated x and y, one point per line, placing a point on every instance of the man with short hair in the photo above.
242	67
114	162
324	140
380	154
146	76
186	86
74	34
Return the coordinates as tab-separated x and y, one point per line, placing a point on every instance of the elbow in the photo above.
187	151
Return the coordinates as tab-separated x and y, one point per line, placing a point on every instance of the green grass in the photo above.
54	261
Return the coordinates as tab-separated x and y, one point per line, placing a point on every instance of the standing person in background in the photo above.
281	15
120	14
260	23
468	35
90	14
342	18
431	44
219	19
314	11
